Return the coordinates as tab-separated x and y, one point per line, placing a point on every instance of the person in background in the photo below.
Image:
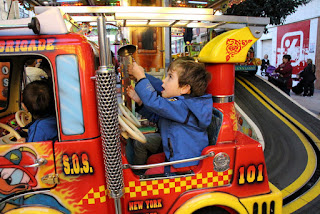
116	65
285	72
38	63
33	73
264	64
184	111
46	67
308	77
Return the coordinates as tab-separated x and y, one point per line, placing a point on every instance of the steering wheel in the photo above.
128	114
12	133
132	130
23	118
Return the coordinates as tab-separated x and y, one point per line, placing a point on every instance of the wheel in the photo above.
7	138
211	210
128	114
132	130
23	118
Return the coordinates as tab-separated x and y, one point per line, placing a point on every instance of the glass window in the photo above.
69	95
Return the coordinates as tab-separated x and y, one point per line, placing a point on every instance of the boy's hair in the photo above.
38	98
191	73
185	58
309	61
288	57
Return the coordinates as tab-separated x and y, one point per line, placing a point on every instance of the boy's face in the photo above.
171	86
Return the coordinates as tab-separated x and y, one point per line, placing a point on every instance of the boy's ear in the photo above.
186	89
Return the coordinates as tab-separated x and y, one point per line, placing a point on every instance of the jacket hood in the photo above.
201	107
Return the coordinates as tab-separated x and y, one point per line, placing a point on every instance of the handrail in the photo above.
149	166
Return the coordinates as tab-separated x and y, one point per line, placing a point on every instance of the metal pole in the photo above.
109	57
117	204
102	41
108	118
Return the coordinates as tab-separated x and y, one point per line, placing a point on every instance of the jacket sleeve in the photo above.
155	82
173	109
148	114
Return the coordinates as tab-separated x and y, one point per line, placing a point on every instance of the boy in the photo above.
38	99
183	113
153	144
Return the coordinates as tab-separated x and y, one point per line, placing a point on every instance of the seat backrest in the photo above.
215	126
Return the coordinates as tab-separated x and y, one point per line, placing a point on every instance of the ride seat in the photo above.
215	126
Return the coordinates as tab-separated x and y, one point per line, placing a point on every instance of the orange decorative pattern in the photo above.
176	185
235	46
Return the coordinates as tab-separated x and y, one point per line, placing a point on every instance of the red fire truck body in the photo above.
69	175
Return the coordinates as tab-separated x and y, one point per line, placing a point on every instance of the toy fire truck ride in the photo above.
86	170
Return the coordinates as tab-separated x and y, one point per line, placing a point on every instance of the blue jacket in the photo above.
155	82
182	121
42	130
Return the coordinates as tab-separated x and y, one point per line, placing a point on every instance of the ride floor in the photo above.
291	138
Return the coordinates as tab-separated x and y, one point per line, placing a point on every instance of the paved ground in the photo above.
310	103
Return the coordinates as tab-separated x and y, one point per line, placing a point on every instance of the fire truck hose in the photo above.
109	128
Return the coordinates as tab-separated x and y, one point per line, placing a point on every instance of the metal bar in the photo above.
117	204
102	41
4	26
137	9
194	17
210	154
108	52
232	26
161	16
108	118
162	13
173	23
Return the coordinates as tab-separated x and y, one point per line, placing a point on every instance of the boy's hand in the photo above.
21	140
133	95
136	70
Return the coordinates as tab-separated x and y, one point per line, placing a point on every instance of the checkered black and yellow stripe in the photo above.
175	185
93	197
